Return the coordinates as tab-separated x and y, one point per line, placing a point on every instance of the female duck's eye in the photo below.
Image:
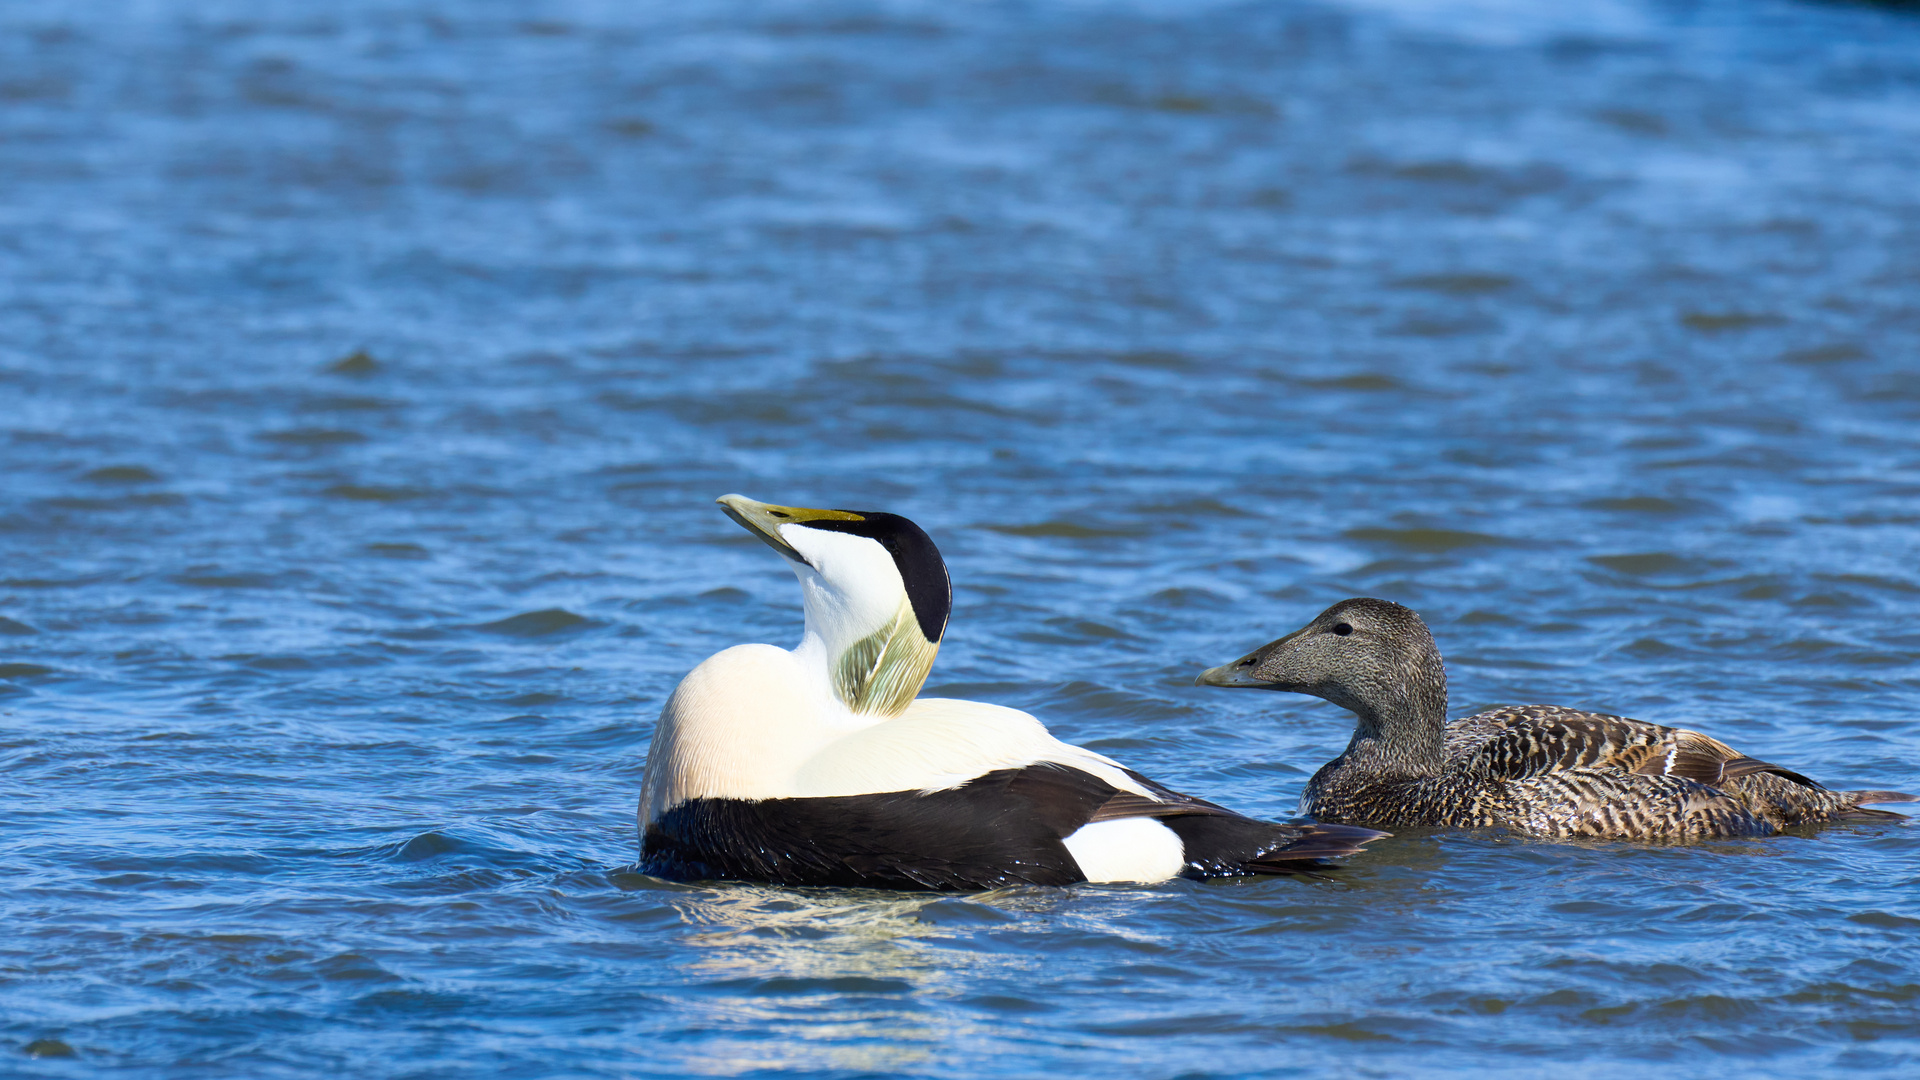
1342	629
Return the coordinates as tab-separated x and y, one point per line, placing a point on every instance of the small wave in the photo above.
801	987
122	474
1646	564
375	493
1067	530
1427	540
307	436
543	623
481	849
353	967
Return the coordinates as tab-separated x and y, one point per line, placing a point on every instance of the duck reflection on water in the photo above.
865	981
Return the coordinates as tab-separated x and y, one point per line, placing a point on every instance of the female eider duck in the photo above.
1543	770
820	766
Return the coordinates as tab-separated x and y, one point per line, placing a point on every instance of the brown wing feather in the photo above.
1701	758
1713	769
1126	804
1543	739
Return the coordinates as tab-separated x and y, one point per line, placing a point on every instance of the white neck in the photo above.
838	617
861	634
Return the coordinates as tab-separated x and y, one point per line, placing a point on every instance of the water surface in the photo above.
367	371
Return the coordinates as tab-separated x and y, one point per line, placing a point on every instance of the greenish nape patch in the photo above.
883	672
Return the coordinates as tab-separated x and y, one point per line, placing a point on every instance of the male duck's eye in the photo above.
1342	629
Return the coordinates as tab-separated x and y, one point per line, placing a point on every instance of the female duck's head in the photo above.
1374	658
876	594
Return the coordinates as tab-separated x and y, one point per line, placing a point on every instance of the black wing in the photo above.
1002	828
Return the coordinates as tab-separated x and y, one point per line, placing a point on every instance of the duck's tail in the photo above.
1318	841
1855	811
1223	844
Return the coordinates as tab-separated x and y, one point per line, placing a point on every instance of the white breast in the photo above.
735	728
753	722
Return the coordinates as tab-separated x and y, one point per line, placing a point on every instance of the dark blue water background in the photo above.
368	369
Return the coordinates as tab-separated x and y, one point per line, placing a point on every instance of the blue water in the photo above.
368	369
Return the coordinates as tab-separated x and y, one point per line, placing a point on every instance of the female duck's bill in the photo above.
820	765
1539	769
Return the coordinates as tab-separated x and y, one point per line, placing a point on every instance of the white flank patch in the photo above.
1127	849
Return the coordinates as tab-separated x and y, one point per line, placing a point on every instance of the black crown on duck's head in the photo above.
922	570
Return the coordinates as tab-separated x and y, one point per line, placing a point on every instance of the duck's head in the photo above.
876	593
1374	658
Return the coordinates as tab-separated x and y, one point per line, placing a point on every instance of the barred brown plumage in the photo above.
1544	770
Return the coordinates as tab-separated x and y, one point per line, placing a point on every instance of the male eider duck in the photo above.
1542	770
820	766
